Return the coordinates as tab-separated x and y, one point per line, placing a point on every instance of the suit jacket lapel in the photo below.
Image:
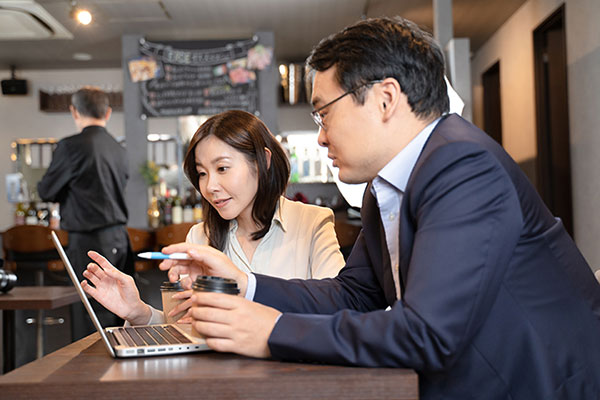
406	238
407	222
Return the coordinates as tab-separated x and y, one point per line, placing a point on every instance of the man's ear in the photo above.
74	112
108	114
390	97
268	157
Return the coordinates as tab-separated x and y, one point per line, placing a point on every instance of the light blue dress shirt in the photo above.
388	188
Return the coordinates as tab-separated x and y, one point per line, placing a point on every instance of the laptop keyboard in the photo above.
148	335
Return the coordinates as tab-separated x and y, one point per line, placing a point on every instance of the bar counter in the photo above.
84	369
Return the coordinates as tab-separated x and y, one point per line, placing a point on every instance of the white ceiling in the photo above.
297	24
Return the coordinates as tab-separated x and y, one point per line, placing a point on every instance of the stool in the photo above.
141	240
31	247
171	234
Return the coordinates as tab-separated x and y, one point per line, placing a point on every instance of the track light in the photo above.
81	15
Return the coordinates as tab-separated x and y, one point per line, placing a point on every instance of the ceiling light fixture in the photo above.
81	15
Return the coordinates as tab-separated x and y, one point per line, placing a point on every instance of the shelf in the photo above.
61	102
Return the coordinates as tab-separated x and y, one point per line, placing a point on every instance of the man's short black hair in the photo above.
90	101
379	48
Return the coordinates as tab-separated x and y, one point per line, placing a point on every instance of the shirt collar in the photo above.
277	217
92	127
398	170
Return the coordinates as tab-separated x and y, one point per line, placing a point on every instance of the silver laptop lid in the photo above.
82	294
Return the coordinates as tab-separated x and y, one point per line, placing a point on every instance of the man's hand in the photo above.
233	324
206	260
115	290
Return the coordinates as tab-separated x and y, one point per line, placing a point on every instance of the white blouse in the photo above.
301	243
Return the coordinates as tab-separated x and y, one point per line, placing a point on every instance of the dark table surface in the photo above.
29	298
38	297
84	370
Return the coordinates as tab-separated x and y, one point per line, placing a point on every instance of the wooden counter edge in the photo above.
34	380
39	370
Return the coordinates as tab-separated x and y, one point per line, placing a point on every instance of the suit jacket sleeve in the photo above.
463	213
58	175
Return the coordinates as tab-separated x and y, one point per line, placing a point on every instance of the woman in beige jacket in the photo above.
241	172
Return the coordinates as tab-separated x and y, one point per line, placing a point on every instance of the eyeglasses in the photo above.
316	114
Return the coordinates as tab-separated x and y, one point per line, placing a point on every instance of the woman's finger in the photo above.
185	320
186	294
93	270
183	306
186	282
89	289
99	258
107	269
92	277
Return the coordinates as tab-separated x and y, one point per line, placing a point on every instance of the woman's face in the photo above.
227	180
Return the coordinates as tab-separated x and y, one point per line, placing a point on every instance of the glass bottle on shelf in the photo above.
306	173
31	215
20	211
21	207
43	214
153	213
177	209
188	206
167	209
54	216
198	211
318	164
294	175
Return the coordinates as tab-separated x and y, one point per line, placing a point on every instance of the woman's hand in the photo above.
184	306
115	290
205	260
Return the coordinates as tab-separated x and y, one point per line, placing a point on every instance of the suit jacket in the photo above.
497	301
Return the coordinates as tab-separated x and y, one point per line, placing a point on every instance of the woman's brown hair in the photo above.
249	135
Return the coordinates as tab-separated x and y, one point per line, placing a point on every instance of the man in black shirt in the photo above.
87	176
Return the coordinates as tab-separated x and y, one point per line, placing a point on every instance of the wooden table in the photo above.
84	370
30	298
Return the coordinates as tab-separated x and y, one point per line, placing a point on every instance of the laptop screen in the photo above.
82	295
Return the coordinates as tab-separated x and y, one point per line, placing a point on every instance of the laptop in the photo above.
136	341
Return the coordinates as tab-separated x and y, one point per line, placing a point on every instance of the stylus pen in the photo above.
155	255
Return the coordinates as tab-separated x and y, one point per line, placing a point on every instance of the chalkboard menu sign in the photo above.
178	81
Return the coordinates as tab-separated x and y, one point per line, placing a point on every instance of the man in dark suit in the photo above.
87	176
490	298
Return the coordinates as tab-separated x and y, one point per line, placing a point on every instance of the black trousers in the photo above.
113	243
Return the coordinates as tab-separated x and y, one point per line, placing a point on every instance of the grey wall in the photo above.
136	128
583	63
512	45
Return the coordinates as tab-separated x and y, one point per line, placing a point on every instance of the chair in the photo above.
141	240
30	246
170	234
346	233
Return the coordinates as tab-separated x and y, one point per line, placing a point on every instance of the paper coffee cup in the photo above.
167	290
